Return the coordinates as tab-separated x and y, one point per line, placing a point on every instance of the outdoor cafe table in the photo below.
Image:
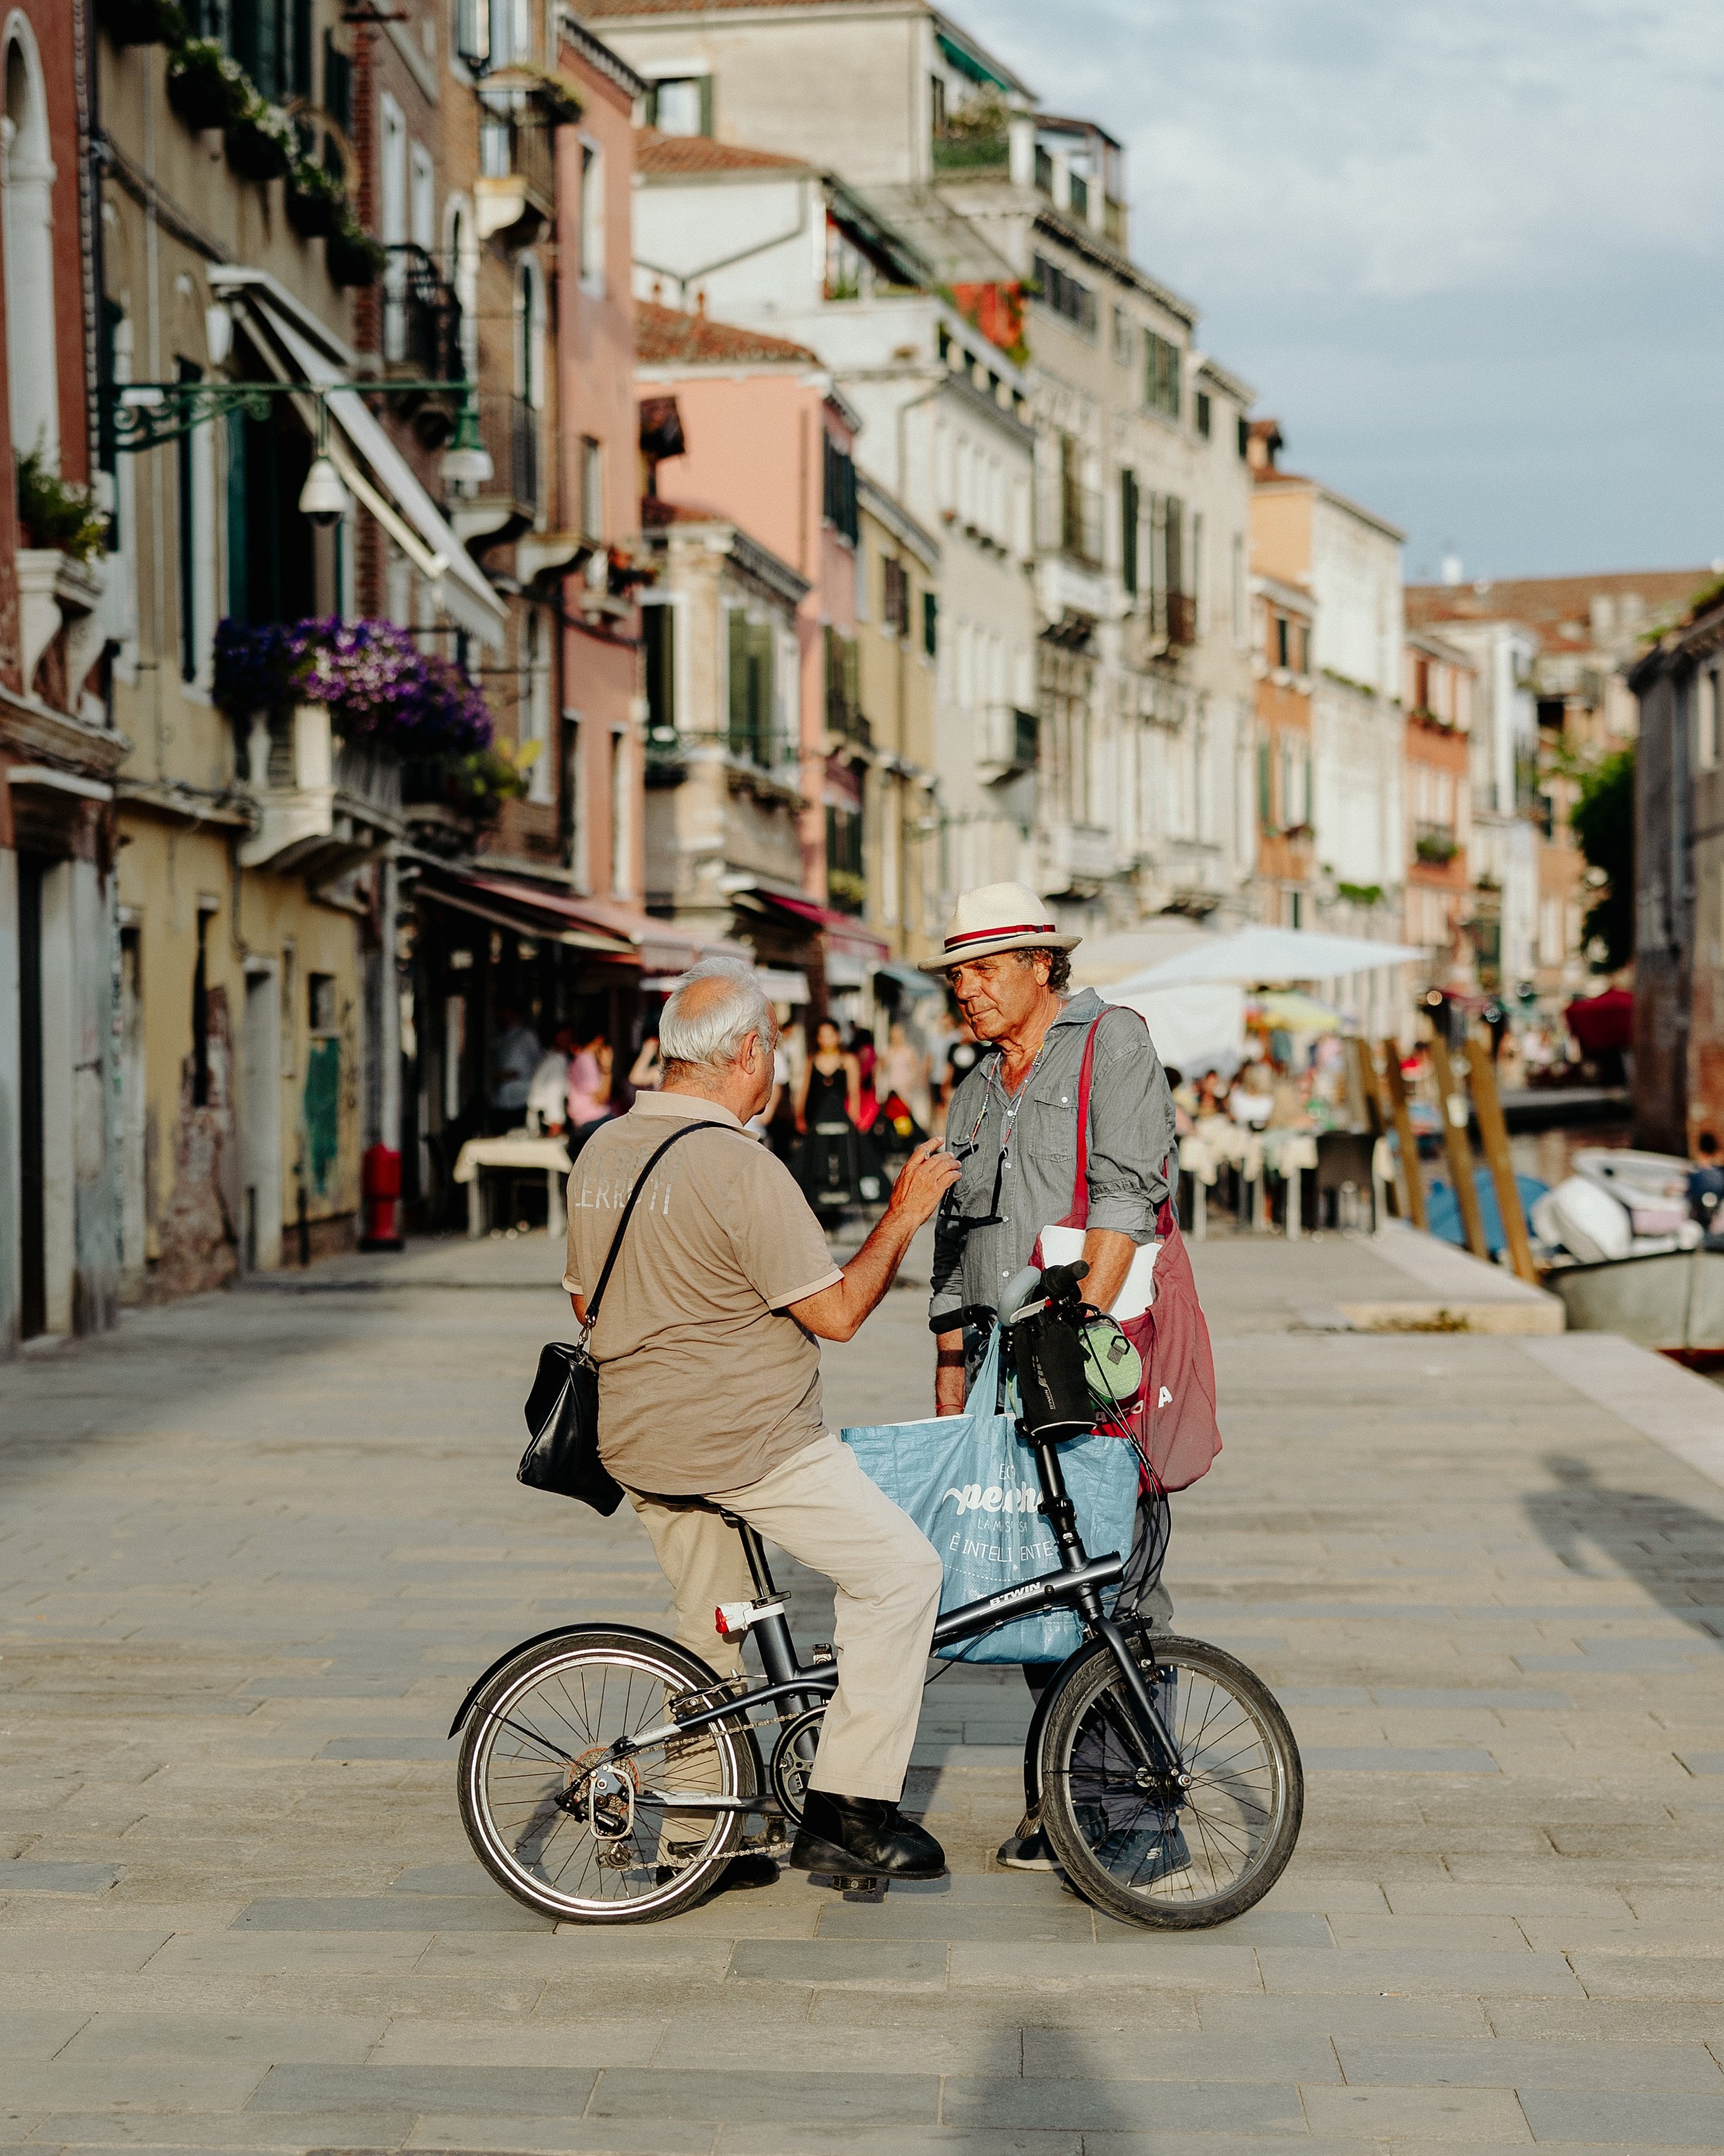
1217	1139
519	1151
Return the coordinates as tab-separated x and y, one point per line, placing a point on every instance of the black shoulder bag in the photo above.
562	1408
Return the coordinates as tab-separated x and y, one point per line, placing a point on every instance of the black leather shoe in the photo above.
853	1836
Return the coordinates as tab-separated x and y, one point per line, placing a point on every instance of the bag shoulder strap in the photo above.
610	1260
1087	1077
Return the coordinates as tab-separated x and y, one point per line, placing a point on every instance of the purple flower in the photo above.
377	683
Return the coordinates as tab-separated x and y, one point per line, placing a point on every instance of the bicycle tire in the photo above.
1235	1827
503	1823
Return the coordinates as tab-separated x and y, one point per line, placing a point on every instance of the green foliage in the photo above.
1603	822
477	785
54	514
205	87
1360	894
351	256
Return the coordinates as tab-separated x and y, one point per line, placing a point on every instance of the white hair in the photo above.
711	1037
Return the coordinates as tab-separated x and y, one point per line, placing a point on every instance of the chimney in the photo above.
1263	444
1452	571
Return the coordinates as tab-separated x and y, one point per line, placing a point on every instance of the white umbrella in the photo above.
1195	1028
1260	957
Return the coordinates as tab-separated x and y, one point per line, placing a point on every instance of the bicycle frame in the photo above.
1076	1585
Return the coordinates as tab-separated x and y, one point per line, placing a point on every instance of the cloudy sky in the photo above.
1472	256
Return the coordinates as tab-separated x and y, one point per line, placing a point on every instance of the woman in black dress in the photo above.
828	1162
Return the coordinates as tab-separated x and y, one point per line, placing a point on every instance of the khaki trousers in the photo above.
823	1509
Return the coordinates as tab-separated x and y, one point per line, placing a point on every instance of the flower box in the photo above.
317	202
142	21
260	144
204	87
353	257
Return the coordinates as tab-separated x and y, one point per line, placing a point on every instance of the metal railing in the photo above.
517	140
508	426
421	317
1079	520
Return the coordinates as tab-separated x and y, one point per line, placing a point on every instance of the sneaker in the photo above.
1146	1857
1026	1852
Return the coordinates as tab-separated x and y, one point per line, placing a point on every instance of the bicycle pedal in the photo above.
866	1887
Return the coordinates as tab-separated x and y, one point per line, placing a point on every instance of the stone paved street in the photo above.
254	1548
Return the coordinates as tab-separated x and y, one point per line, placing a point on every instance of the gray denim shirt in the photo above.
980	1242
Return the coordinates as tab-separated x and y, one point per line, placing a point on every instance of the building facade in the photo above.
1587	634
1347	559
1437	694
1028	391
60	1107
1679	900
1283	614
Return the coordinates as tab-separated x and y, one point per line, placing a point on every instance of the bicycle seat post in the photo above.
770	1635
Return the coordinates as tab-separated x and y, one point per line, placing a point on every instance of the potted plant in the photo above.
204	86
142	21
351	256
316	202
52	514
260	143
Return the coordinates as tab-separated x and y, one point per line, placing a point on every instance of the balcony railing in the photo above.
509	427
515	192
1435	844
960	150
1182	617
422	317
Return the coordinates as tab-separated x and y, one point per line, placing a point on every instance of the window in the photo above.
422	197
1284	641
591	218
1201	403
1304	647
1265	786
1161	386
1065	295
680	104
894	596
321	1003
591	488
184	453
658	630
32	376
843	686
752	688
839	502
621	819
1243	438
1129	509
1706	744
930	624
535	722
1124	337
846	877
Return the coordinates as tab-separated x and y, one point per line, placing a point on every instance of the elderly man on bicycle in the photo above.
709	1379
1013	1126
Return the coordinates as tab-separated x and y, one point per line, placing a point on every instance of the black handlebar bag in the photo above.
562	1408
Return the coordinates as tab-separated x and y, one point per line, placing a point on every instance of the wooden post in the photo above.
1412	1190
1493	1136
1449	1099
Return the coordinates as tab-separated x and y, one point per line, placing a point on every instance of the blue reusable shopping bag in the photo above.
969	1483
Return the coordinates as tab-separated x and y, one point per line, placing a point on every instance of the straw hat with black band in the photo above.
998	917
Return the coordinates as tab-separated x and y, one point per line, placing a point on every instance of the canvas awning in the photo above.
608	927
296	349
1264	958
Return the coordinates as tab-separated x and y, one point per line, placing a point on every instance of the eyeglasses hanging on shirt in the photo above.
952	1222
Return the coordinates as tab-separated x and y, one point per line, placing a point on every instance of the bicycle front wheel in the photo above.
568	1829
1150	1852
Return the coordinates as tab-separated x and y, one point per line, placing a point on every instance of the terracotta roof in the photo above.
656	154
663	338
1559	609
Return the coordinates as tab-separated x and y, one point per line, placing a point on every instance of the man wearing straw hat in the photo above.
1013	1126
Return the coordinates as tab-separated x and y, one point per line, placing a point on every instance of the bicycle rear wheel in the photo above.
1169	1857
566	1828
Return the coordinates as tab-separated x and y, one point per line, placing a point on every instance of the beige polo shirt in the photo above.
704	1382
